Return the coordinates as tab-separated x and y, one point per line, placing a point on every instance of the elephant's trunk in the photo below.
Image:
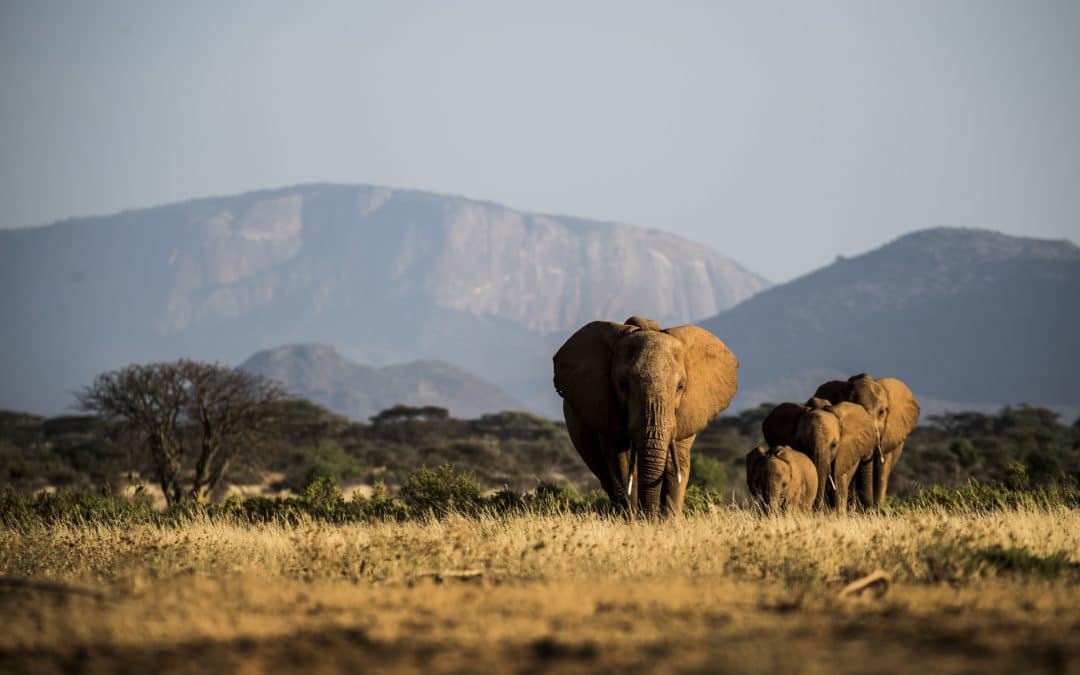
822	456
651	462
651	433
774	504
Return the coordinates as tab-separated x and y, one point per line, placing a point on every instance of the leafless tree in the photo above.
225	408
231	409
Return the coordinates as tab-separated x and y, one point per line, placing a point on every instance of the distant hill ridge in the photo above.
319	373
386	275
960	314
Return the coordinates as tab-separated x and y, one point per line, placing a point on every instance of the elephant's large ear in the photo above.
710	379
779	426
583	374
834	391
753	461
858	434
903	413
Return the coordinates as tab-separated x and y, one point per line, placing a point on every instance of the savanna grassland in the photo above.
722	590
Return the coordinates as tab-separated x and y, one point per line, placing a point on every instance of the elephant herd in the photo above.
635	396
852	431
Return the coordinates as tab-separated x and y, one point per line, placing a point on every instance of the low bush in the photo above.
441	491
978	495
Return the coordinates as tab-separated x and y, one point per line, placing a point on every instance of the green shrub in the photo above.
708	473
441	491
103	507
329	460
701	500
985	496
323	495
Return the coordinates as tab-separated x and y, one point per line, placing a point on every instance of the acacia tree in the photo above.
231	408
225	408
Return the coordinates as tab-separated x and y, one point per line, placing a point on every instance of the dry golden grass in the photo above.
729	591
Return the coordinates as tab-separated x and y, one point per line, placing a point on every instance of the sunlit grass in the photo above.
921	546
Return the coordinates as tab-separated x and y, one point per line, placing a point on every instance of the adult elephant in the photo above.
895	411
635	397
838	438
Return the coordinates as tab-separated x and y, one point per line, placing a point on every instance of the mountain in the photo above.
959	314
319	373
385	275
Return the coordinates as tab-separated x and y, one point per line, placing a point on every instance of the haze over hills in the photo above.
385	275
320	374
962	315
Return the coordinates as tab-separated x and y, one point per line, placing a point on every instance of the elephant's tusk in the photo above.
675	459
630	473
881	458
831	482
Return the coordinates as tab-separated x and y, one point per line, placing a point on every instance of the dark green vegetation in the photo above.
1019	448
305	442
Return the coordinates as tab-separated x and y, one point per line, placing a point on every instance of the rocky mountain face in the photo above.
385	275
962	315
320	374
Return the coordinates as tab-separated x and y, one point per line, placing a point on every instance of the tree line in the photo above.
194	428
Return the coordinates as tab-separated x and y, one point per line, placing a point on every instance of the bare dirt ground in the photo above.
723	592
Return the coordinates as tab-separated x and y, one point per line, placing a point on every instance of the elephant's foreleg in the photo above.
843	490
617	469
676	478
595	450
883	469
864	482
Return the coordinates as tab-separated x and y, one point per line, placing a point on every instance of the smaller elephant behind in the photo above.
895	412
838	439
781	478
781	425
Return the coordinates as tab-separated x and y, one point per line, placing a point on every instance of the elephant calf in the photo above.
782	478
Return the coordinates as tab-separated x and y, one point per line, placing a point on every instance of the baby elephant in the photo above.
782	478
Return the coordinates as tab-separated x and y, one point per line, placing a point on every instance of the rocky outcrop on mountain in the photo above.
386	275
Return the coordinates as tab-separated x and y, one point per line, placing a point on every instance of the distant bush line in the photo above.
441	492
515	451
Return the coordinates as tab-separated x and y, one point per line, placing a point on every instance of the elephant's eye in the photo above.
881	413
682	385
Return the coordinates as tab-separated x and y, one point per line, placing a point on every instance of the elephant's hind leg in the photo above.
864	482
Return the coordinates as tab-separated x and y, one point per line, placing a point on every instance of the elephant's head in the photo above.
645	389
836	438
769	476
889	402
868	392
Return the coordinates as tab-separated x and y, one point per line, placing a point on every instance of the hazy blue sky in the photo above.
782	134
